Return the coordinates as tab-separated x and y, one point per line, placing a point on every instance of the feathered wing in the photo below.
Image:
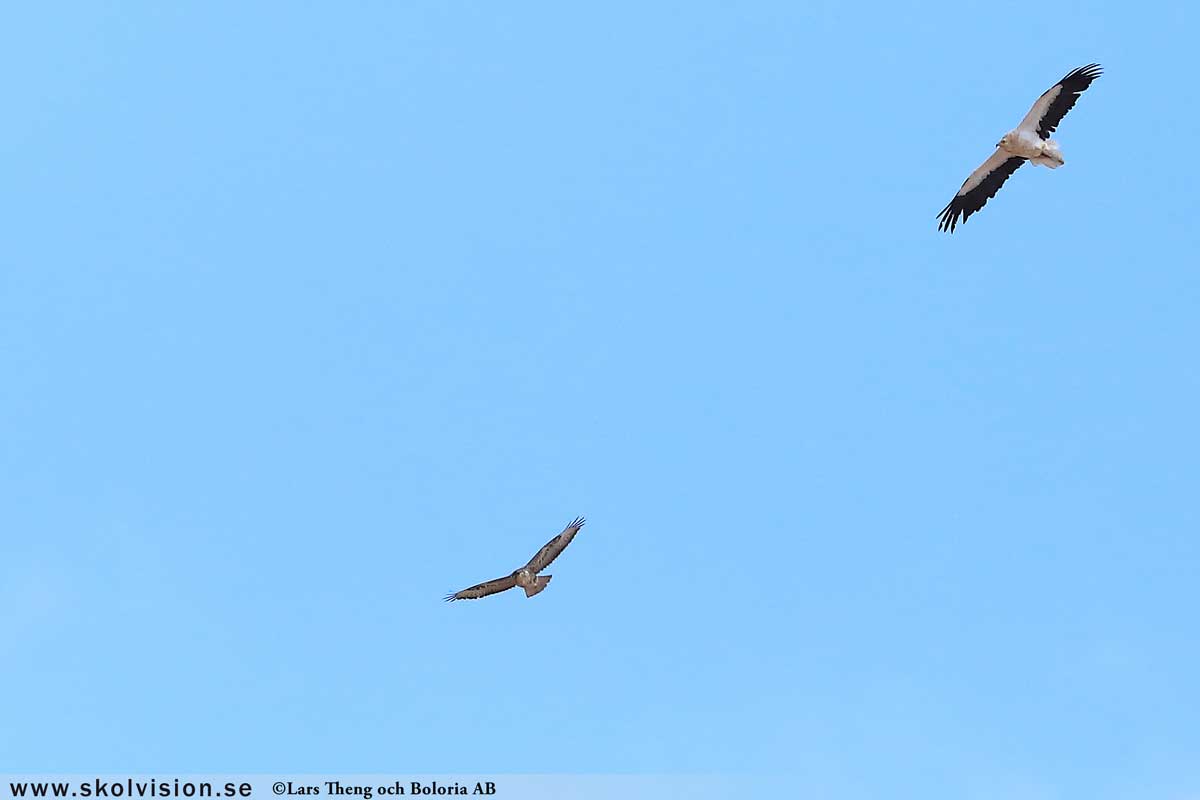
552	548
484	589
980	187
1056	101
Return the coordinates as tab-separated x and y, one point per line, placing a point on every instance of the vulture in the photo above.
527	576
1030	141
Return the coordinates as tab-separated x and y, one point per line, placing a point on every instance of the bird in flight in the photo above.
527	576
1030	141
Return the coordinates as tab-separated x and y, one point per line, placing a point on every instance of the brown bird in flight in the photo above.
527	576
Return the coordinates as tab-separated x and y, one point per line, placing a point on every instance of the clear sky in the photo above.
312	313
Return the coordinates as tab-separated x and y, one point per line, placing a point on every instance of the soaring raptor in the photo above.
527	576
1030	141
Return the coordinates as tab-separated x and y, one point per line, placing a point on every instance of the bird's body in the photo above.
527	576
1028	144
528	580
1029	141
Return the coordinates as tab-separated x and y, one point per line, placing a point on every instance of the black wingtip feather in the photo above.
1073	84
1080	78
963	206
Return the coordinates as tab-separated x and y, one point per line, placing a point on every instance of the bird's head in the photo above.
1003	141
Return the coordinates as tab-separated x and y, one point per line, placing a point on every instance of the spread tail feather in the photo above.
539	583
1045	161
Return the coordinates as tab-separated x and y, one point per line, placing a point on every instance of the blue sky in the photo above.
311	314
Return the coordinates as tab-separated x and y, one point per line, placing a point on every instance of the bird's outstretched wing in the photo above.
484	589
550	551
1056	101
980	187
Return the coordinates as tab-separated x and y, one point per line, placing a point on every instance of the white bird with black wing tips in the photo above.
1030	141
527	576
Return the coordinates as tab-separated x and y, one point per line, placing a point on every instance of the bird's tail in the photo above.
1054	153
539	583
